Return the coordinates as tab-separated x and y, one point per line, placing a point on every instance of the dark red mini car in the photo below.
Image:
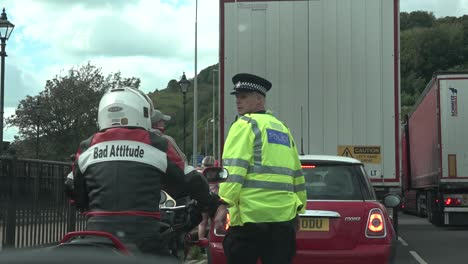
344	222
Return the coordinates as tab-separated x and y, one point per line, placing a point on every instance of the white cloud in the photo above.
9	132
147	39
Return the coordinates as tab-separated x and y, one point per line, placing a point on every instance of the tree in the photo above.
416	19
64	113
425	50
173	85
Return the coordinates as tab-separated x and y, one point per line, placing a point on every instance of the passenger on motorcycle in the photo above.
158	125
119	172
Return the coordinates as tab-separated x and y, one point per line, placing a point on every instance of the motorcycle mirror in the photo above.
215	174
392	200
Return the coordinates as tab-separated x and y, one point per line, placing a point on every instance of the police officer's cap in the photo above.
246	82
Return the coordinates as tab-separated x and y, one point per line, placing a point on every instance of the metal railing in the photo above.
34	210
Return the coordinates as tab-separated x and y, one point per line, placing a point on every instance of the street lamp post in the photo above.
184	84
195	96
214	114
6	27
206	136
37	112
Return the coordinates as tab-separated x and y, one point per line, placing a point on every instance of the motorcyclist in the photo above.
119	172
211	176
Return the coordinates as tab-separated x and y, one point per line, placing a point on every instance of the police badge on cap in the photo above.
245	82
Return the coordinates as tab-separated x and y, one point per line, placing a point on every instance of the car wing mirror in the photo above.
391	200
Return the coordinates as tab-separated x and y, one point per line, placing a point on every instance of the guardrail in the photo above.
33	208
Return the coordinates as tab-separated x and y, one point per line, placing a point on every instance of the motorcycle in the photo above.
214	175
176	220
213	243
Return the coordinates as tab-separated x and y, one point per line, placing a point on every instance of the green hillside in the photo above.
170	102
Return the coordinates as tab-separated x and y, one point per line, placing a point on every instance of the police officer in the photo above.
265	189
120	171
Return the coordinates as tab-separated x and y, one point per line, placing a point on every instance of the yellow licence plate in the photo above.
314	224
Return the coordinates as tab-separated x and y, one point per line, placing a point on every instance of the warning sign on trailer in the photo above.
366	154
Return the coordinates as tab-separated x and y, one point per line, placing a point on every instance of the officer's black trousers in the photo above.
273	243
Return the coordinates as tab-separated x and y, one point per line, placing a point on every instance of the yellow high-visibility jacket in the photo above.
265	182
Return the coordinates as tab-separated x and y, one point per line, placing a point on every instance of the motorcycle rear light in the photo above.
223	231
452	201
375	227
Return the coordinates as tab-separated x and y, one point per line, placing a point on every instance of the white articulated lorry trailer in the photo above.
334	67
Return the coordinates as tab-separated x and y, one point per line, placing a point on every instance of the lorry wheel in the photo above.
429	215
429	207
437	219
419	210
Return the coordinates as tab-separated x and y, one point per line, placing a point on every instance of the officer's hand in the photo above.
220	217
297	223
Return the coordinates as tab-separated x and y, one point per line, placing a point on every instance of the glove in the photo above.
214	203
195	217
69	188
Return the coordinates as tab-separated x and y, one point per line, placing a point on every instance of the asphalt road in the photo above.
422	243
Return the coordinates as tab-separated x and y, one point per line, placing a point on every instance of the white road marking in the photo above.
403	242
194	261
417	257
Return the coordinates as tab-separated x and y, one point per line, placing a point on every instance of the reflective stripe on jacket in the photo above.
265	182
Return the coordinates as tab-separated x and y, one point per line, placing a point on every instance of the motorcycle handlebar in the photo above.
173	208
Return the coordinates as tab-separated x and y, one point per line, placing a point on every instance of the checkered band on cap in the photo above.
250	86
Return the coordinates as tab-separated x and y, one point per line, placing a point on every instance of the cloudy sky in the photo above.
149	39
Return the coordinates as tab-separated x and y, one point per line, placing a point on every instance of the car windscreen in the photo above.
335	182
